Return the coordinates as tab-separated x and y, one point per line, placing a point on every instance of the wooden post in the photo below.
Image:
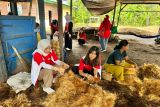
30	8
50	16
119	14
71	9
37	11
42	18
114	12
60	27
3	69
13	7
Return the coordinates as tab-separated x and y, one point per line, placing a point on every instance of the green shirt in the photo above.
116	55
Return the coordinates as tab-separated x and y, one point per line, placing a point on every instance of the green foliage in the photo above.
82	15
80	12
140	18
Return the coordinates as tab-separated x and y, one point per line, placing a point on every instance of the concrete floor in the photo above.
138	52
78	51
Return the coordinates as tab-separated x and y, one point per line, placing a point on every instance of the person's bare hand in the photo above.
66	66
90	78
61	71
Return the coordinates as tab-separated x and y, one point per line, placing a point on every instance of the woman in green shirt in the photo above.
118	63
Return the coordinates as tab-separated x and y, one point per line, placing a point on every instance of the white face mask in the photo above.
37	30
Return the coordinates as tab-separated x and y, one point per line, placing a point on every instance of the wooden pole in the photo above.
119	14
71	9
42	18
13	7
114	13
60	27
30	8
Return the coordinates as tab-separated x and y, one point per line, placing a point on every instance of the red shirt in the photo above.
83	66
83	36
105	28
47	59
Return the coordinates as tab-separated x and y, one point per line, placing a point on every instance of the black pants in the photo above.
68	41
81	41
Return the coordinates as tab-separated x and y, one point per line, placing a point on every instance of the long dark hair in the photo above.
121	44
96	60
82	29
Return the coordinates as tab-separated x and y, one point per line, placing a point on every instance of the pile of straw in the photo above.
152	86
19	101
153	100
149	71
56	47
74	92
4	90
125	96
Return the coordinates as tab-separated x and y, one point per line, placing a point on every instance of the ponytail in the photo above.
121	44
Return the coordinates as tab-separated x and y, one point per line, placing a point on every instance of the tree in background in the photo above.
82	15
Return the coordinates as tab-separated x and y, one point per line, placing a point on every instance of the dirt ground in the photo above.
140	53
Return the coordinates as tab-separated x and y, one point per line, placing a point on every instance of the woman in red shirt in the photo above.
89	66
45	63
82	37
54	28
104	33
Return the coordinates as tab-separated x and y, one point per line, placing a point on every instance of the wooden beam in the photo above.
138	11
13	7
140	1
71	8
114	13
60	27
30	8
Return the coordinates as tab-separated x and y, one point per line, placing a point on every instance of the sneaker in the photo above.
48	90
68	49
103	50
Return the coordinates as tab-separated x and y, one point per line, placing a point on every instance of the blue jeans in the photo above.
103	42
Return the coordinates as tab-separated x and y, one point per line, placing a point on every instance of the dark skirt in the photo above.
81	41
68	41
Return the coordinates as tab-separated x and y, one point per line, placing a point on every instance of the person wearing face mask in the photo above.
89	66
82	37
118	63
104	33
45	64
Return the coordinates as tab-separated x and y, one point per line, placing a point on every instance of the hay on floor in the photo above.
19	101
74	92
4	90
152	86
149	71
125	96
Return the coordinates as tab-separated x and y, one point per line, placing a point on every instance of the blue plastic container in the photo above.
17	31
